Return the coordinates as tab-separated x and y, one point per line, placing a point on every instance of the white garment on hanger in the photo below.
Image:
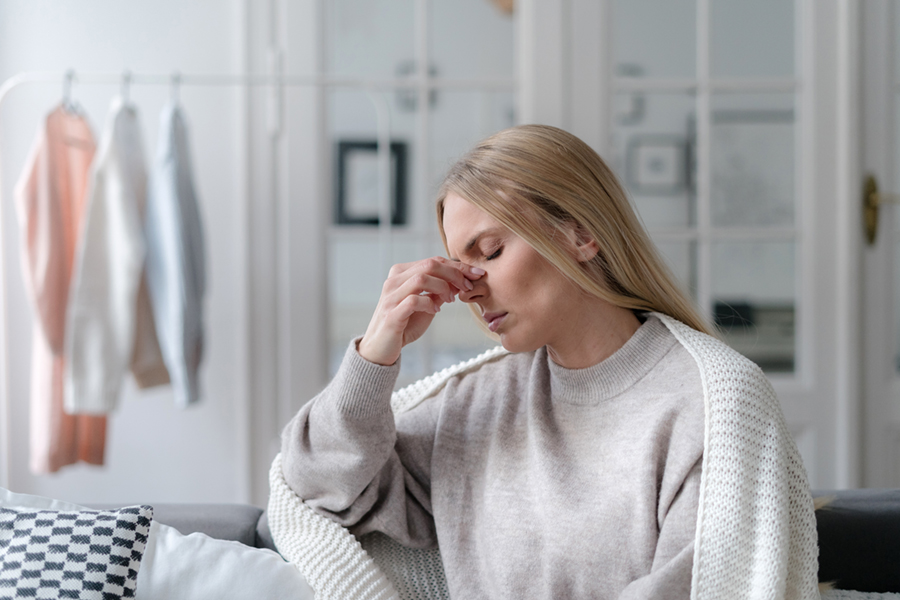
175	257
103	313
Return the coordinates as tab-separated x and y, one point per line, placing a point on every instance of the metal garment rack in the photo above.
375	90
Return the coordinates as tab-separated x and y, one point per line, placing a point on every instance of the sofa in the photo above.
237	522
859	534
859	539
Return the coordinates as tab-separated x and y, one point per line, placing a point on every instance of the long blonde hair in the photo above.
535	178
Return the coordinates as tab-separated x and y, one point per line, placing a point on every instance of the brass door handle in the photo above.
872	200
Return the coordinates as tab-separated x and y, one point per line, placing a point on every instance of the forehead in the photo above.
462	221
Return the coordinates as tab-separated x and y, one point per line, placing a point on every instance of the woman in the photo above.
573	465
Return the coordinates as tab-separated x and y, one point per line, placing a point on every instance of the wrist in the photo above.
371	355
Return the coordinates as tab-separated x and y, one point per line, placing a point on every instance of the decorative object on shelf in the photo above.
657	164
357	183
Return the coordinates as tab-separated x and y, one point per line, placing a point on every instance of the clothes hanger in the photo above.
176	85
126	86
68	104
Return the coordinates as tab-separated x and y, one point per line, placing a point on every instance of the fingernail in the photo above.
477	271
469	285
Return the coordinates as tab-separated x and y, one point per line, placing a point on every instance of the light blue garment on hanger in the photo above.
175	257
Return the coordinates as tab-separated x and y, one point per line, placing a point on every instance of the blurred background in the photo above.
320	131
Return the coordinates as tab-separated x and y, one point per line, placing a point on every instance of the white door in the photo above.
881	306
728	122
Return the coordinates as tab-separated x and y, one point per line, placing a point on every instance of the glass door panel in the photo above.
704	131
754	295
457	100
471	39
461	119
654	145
681	258
369	38
752	39
753	154
655	38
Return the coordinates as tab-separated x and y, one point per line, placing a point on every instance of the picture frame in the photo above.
356	200
657	164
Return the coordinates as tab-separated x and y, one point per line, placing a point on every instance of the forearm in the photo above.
339	455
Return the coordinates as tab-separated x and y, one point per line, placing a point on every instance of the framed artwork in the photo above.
657	164
356	202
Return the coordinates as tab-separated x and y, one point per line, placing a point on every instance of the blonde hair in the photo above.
534	179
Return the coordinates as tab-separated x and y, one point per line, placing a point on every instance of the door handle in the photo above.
872	201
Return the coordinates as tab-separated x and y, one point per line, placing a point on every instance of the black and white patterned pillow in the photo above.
91	554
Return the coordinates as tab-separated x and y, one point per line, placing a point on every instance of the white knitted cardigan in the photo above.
756	530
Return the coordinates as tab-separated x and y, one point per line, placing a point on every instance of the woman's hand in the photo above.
412	294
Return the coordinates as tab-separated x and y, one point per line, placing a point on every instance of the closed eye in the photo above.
494	255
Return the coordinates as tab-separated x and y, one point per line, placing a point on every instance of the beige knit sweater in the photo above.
754	534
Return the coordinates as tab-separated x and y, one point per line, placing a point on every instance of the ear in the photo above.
581	244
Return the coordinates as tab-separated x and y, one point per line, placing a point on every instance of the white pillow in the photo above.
196	566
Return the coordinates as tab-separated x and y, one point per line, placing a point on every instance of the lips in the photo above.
494	319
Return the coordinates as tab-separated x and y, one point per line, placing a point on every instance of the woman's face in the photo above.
522	296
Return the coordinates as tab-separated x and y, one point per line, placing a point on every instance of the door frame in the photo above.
881	383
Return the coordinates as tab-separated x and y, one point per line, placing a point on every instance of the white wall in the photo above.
155	452
262	205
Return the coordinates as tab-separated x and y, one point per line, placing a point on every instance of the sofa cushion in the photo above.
91	555
237	522
197	566
859	539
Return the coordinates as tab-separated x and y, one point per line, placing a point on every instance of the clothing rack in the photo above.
375	89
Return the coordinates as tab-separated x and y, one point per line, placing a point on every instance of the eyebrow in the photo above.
474	241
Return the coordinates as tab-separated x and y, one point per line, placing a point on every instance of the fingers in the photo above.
414	304
457	274
423	283
412	294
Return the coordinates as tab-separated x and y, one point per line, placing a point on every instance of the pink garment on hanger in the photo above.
50	202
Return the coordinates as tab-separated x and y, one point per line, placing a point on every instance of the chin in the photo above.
511	344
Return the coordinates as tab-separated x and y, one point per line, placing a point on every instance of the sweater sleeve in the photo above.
345	456
670	575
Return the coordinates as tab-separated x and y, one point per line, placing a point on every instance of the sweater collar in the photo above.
609	378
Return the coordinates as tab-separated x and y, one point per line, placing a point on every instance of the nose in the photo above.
477	293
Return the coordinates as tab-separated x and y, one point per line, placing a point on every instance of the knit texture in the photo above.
854	595
756	533
756	528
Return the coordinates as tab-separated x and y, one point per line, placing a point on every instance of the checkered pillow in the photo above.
87	554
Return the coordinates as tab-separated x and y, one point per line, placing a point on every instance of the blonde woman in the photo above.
604	453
